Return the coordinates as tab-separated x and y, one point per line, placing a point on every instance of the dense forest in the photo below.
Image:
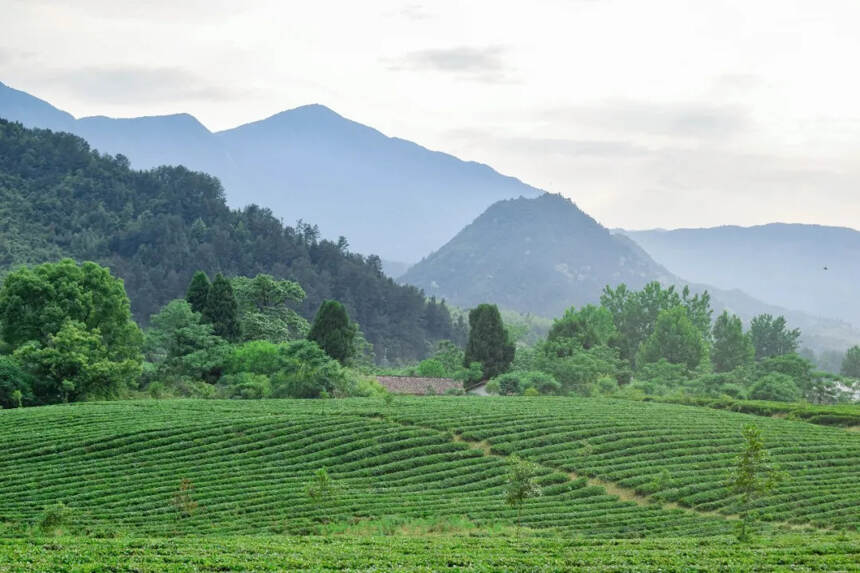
154	229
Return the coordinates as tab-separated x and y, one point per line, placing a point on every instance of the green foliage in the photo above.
577	371
754	475
222	310
296	369
635	313
590	326
518	382
488	341
197	294
675	339
265	312
53	518
775	386
333	331
74	364
431	368
791	365
771	337
181	345
732	348
36	302
58	198
16	384
851	362
521	485
322	489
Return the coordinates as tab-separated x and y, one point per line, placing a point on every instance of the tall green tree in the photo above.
675	339
754	475
488	343
70	326
851	362
264	308
197	294
590	326
222	310
333	331
772	337
732	348
635	313
35	303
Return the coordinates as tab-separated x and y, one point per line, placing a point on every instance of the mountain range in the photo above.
811	268
383	193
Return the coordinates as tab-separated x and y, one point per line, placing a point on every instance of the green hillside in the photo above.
154	229
119	465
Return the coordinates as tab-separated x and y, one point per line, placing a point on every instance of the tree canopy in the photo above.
488	341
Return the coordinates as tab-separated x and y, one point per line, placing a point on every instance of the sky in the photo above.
647	114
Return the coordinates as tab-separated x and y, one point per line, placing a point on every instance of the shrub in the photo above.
775	386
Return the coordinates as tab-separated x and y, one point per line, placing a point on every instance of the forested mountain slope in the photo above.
308	163
155	228
812	268
533	255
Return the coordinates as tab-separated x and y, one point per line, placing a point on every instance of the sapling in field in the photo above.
754	475
521	485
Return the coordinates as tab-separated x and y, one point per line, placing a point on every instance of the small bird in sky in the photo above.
825	267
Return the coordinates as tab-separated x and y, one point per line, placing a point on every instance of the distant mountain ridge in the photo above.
306	163
544	254
812	268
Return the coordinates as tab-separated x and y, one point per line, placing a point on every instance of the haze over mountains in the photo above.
383	193
811	268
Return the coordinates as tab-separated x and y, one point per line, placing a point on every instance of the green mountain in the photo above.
538	255
58	198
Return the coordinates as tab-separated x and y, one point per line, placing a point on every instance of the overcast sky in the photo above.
647	114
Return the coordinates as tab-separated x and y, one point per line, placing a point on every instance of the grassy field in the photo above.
638	482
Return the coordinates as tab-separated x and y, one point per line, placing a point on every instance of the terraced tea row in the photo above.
119	467
433	553
671	453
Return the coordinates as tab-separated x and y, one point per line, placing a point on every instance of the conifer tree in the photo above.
488	341
333	331
198	292
221	309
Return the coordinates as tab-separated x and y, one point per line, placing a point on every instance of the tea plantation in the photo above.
417	483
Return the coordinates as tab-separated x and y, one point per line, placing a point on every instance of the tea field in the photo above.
223	485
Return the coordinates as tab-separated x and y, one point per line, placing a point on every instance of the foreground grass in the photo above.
417	553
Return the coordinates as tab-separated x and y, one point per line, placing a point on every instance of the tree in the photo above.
36	302
521	485
75	364
221	309
635	313
771	336
70	327
333	331
775	386
197	294
732	348
264	308
590	326
851	362
754	475
16	384
488	341
674	339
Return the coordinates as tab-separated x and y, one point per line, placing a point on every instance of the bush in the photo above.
53	518
776	386
431	368
532	391
607	385
16	386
